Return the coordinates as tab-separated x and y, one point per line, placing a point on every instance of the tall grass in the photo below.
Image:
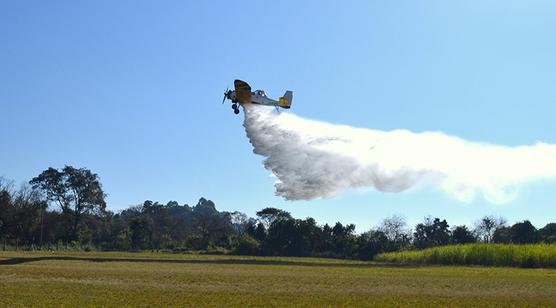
534	255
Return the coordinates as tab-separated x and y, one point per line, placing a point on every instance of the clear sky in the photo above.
132	91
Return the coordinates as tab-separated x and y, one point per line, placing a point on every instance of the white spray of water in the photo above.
313	159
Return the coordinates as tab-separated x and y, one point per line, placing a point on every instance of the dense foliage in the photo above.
66	209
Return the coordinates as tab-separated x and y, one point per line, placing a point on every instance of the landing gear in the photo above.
235	107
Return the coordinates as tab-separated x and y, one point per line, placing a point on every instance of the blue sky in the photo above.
132	90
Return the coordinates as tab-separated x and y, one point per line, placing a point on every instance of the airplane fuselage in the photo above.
255	99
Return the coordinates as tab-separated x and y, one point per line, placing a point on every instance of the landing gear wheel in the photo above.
234	106
236	111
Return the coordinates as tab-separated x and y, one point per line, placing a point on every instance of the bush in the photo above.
246	245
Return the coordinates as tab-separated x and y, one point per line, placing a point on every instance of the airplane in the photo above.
243	95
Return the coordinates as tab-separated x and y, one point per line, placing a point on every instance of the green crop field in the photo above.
157	279
532	255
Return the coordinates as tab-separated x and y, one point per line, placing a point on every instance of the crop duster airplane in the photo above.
243	95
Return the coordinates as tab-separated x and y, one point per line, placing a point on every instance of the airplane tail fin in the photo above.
286	100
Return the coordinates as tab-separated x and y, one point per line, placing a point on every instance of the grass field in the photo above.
152	279
534	255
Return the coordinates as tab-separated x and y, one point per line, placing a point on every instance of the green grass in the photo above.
153	279
535	255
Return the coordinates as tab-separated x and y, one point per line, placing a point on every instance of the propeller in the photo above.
225	95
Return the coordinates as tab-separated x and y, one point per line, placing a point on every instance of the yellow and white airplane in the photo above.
243	95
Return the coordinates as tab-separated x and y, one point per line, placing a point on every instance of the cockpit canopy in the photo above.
261	93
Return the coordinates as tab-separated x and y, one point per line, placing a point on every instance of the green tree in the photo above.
77	191
212	227
432	232
343	240
548	233
240	222
270	214
141	232
524	233
246	245
371	243
256	230
5	213
395	229
26	216
485	227
502	235
462	235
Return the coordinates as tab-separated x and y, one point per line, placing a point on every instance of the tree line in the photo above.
66	208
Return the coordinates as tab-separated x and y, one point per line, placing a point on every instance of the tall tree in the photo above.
6	213
240	222
502	235
77	191
396	231
548	233
212	226
432	232
343	240
485	227
270	214
462	235
524	233
371	243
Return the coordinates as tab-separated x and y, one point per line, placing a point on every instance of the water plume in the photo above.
313	159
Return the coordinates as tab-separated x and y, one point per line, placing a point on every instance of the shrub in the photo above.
246	245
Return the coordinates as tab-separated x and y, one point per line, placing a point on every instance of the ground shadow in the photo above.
21	260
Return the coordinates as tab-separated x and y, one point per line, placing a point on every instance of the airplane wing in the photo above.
243	91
